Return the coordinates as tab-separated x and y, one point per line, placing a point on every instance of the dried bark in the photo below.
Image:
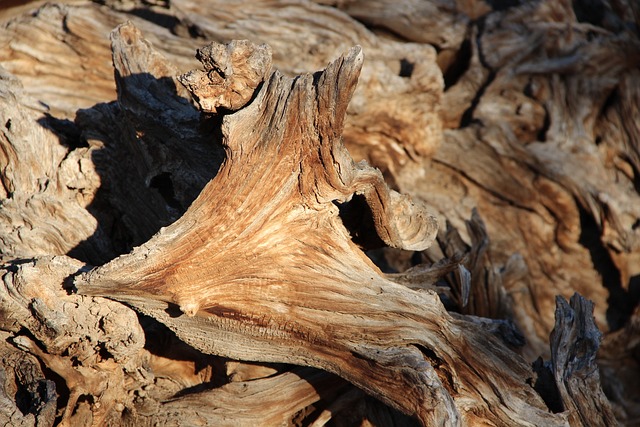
253	189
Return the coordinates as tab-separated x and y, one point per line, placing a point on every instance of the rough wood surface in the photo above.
515	124
574	343
263	250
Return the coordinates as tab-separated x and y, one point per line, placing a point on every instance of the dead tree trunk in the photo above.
164	265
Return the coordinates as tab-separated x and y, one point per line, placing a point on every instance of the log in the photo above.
177	236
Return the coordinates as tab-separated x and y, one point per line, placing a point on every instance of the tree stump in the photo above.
302	231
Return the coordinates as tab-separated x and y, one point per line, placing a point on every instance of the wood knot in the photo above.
231	74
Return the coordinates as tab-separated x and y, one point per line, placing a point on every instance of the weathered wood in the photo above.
272	401
36	180
619	370
27	397
538	117
262	251
539	105
87	342
571	378
574	343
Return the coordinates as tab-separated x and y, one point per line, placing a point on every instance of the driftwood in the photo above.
390	197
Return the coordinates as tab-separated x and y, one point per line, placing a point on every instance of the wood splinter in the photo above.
265	269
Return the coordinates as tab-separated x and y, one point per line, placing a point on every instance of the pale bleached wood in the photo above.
271	401
43	206
540	115
441	24
413	20
87	342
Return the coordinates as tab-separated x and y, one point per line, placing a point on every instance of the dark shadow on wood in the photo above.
168	157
